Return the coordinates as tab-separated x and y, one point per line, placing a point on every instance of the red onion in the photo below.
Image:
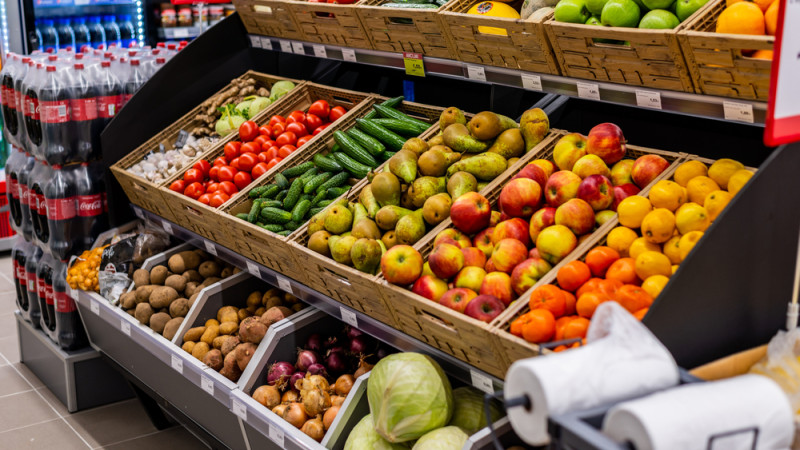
314	343
352	332
317	369
360	345
382	352
297	376
306	358
279	372
338	348
336	362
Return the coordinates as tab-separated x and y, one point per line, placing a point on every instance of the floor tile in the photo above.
47	435
176	438
12	382
9	347
53	401
7	266
112	423
23	409
8	325
8	299
28	375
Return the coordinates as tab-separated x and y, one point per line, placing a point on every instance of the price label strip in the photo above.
319	51
255	41
207	384
285	285
532	82
481	382
349	317
739	112
286	46
266	43
589	91
297	48
648	99
211	248
176	363
477	73
349	55
414	64
253	269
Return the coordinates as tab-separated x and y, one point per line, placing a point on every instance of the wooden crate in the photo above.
330	23
525	47
145	193
720	64
268	18
649	58
406	30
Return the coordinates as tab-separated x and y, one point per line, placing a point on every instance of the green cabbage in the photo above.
280	88
363	436
257	105
409	395
447	438
468	410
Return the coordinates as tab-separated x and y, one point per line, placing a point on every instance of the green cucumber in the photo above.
335	192
300	210
294	194
392	102
319	197
336	148
351	165
254	210
392	140
298	170
274	227
353	149
242	216
391	113
337	180
324	203
275	215
281	180
309	174
271	192
256	192
315	182
401	126
326	163
281	195
271	203
285	233
314	211
373	146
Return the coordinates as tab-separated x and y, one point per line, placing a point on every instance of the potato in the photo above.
218	341
252	330
273	301
132	312
226	272
272	292
229	344
143	293
228	314
194	334
235	270
176	282
211	332
228	327
289	298
243	354
200	349
171	328
188	346
158	321
191	288
213	359
209	269
141	277
192	275
210	322
163	310
162	296
179	308
243	314
128	300
209	281
202	254
193	298
183	261
260	311
297	307
143	313
158	274
254	299
230	369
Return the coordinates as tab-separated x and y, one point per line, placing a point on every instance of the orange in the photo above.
570	303
516	326
742	18
576	328
600	258
560	348
609	287
763	4
641	313
592	285
561	323
763	54
572	275
548	297
633	298
588	302
771	19
623	270
540	326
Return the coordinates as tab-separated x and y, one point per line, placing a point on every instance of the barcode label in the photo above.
276	434
253	269
207	385
125	327
297	48
530	81
286	46
740	112
176	364
61	110
476	73
239	409
589	90
255	41
285	285
481	382
211	248
648	99
348	54
266	44
349	317
320	52
95	307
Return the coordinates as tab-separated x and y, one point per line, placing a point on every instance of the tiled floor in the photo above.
31	417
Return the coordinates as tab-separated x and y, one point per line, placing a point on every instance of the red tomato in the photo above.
226	173
264	130
178	186
218	199
221	161
297	128
298	116
276	119
262	157
302	141
272	163
313	122
212	187
235	163
247	161
232	149
194	190
250	147
206	183
320	108
260	169
277	129
227	187
260	140
214	173
242	179
193	175
203	166
287	137
248	131
336	113
286	150
320	129
205	198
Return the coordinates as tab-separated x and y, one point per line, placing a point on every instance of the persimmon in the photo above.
589	286
624	270
572	275
549	297
633	298
588	303
540	326
641	313
600	258
562	322
570	303
576	328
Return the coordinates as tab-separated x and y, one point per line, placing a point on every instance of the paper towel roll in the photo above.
731	414
623	360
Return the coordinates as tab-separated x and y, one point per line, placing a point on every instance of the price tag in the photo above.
176	364
414	64
531	81
211	248
139	213
207	385
740	112
167	227
239	409
589	90
255	41
125	327
476	73
349	317
297	48
286	46
648	99
481	382
348	54
253	269
95	307
180	33
319	51
266	43
285	285
276	434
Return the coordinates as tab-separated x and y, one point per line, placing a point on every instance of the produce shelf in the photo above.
720	108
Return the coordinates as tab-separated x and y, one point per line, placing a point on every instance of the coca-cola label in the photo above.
13	187
31	277
41	205
18	100
90	205
61	208
64	303
20	272
108	105
24	194
26	106
125	98
110	268
50	295
33	200
12	98
34	108
15	269
55	112
84	109
41	289
3	95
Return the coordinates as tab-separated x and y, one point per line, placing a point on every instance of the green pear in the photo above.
366	255
366	198
410	228
386	189
359	213
388	216
404	165
450	116
457	137
318	242
460	183
338	220
366	228
340	250
485	166
425	187
437	208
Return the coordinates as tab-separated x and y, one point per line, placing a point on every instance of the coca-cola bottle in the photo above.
24	196
54	100
92	218
19	88
13	165
19	256
33	126
44	287
38	179
109	99
8	99
60	195
84	119
136	79
33	314
69	328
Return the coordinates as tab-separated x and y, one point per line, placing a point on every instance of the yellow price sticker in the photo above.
414	64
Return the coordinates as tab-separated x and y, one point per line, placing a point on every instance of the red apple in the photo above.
515	228
577	215
597	191
527	273
555	243
520	197
508	253
646	168
483	241
499	285
533	253
473	256
402	265
568	150
470	278
430	287
607	142
534	172
621	172
622	192
561	186
546	165
484	308
426	270
471	212
451	235
457	298
446	260
540	220
489	267
496	215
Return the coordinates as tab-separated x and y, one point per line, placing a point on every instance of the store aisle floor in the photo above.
31	417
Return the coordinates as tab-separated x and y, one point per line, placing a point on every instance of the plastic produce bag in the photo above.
149	243
781	364
536	9
116	268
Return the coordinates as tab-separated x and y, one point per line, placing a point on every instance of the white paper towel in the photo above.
715	415
622	360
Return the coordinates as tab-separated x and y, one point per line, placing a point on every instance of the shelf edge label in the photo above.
95	307
176	363
648	99
477	73
297	48
349	55
276	434
481	382
167	226
319	51
286	46
348	317
285	285
239	408
414	64
589	91
207	384
125	327
266	43
253	268
739	112
210	247
531	81
255	41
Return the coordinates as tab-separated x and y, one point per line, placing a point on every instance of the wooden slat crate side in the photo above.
331	23
268	18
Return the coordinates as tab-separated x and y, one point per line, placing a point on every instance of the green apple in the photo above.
620	13
685	8
595	6
658	4
594	20
572	11
659	19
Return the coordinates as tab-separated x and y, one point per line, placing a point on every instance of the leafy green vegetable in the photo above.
258	104
280	88
363	436
468	410
447	438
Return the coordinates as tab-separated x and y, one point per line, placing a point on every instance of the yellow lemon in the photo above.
722	170
652	263
688	241
699	187
653	285
691	217
667	194
672	250
640	245
689	170
738	180
674	268
658	225
620	239
715	202
632	210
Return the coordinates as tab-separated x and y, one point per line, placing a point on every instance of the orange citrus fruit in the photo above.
742	18
771	19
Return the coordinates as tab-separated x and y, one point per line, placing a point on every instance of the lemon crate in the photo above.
330	23
145	193
524	45
268	18
719	63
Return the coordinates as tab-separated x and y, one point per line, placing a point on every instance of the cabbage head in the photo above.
468	410
447	438
409	395
364	436
280	88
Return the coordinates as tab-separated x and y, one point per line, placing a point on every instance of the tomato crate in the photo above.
330	23
722	64
144	192
268	18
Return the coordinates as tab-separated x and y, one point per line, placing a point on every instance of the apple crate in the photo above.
145	193
722	64
268	18
523	46
210	222
330	23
